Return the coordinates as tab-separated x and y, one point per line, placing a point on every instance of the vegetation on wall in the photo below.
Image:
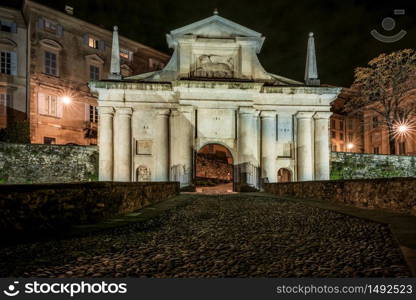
357	166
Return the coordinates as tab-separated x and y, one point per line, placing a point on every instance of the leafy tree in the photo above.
385	88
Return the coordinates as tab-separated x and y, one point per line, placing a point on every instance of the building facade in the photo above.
13	70
365	131
346	129
214	91
63	54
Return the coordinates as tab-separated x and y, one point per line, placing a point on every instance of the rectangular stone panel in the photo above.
144	147
284	149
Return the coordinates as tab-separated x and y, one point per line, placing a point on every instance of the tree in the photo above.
385	88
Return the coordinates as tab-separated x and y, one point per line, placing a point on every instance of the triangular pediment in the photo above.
215	27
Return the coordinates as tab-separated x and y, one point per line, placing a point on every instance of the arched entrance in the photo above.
214	169
284	175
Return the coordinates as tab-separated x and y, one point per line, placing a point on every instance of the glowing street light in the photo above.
350	146
66	100
402	128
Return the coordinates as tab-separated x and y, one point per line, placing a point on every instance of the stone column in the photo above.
322	153
304	146
105	143
122	144
182	135
248	146
268	145
161	146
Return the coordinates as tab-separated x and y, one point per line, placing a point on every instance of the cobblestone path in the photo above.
235	235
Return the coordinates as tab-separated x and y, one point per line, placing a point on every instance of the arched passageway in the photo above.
284	175
214	169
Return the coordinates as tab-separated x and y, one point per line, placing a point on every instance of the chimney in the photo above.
69	10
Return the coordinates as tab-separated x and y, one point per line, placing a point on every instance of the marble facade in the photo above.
214	90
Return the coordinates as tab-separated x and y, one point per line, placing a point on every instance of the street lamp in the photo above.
350	146
66	100
402	128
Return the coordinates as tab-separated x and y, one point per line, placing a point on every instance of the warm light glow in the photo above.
66	100
350	146
402	128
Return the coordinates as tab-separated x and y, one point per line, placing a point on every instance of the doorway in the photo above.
214	170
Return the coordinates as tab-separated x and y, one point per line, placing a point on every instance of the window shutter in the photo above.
14	27
87	112
60	30
59	108
41	104
13	63
85	38
101	45
40	24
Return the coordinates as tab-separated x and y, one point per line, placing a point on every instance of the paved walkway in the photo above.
235	235
402	226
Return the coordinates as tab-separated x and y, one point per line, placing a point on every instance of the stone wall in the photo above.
396	194
33	163
49	207
346	165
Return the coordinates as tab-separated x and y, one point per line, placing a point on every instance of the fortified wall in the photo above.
33	163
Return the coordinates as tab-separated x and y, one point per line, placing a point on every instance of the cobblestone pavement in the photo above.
236	235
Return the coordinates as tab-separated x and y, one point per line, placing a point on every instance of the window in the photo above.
341	136
341	147
341	125
350	124
50	26
50	105
334	148
50	64
8	26
92	43
350	137
2	104
333	124
93	114
376	150
155	64
5	62
375	122
126	54
49	140
94	72
333	134
402	148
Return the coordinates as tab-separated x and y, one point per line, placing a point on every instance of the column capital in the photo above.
245	110
124	111
304	114
268	114
105	110
322	115
186	109
163	112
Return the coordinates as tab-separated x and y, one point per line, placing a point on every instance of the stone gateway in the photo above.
213	91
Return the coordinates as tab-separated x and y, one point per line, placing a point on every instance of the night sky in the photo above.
342	28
